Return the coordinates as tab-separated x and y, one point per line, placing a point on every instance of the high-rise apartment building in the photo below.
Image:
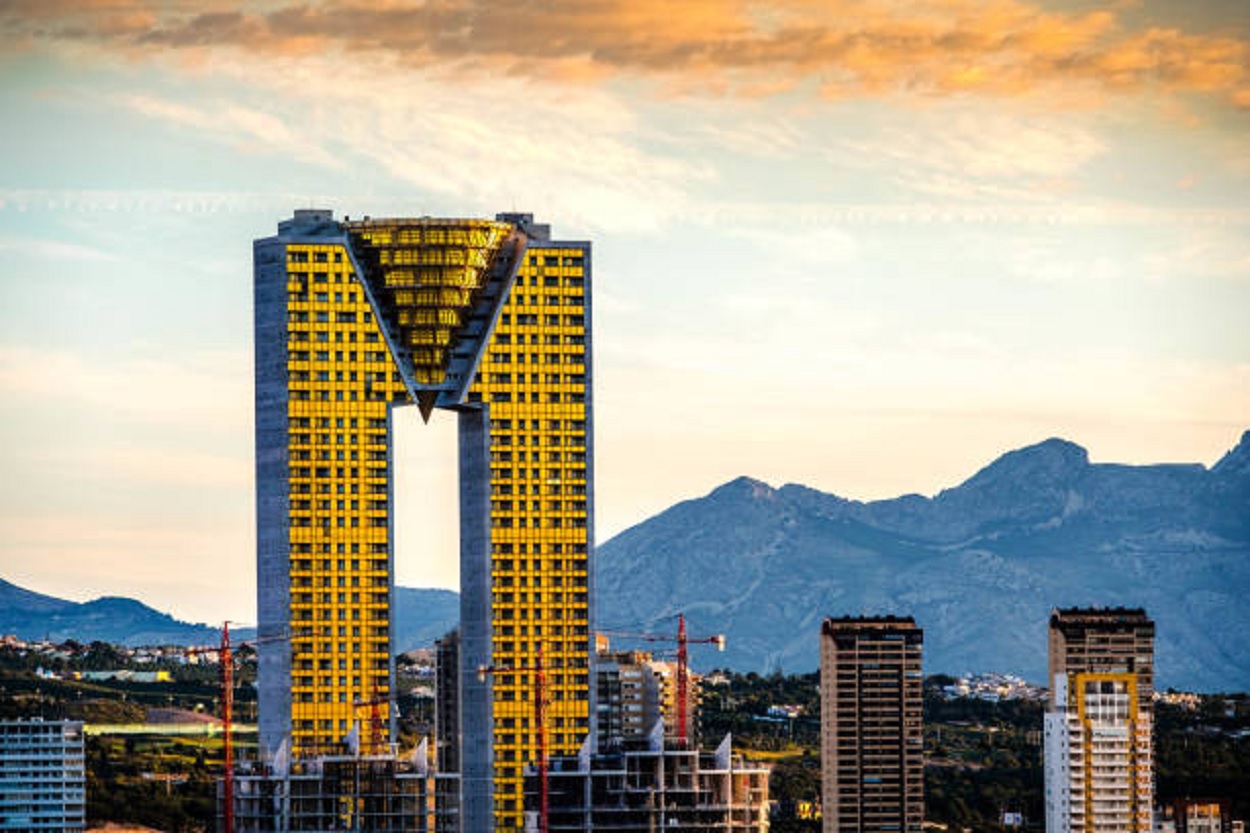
1094	640
635	692
447	726
486	318
1098	750
447	701
43	778
872	742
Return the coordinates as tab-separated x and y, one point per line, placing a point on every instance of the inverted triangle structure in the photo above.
426	400
436	287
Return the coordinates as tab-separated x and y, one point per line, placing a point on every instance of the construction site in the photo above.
352	320
644	771
660	787
377	793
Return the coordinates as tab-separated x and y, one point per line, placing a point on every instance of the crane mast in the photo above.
225	656
683	641
539	670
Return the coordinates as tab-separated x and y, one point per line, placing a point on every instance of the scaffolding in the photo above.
375	793
663	787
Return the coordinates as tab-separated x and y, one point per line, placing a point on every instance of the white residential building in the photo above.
1099	765
42	776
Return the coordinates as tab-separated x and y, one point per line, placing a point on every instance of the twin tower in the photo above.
489	319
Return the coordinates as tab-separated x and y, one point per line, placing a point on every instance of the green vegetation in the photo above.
163	782
790	746
981	758
740	707
56	695
416	714
1205	752
166	783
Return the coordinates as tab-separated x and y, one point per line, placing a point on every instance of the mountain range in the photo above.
421	616
979	566
121	621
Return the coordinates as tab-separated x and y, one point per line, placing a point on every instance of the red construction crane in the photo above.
539	670
226	659
375	718
683	673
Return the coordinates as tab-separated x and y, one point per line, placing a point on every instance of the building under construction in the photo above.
375	793
663	786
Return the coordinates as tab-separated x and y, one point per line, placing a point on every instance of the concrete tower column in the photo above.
477	811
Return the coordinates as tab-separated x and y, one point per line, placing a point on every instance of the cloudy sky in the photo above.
865	245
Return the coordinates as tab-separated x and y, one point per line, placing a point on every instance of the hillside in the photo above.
421	616
120	621
980	565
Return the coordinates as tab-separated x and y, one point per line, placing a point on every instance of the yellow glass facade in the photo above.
427	273
341	381
535	378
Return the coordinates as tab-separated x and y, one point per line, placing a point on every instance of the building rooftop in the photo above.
843	624
1098	616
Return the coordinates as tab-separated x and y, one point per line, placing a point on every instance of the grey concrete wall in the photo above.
273	598
476	717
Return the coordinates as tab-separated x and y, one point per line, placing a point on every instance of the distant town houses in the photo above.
54	656
993	687
786	711
1181	699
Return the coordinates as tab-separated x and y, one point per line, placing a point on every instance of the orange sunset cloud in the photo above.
848	49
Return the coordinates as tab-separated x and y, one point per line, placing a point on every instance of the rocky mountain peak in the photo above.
1237	461
1053	462
1031	485
980	566
744	487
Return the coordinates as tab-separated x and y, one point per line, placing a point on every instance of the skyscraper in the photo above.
489	319
635	691
872	742
1098	750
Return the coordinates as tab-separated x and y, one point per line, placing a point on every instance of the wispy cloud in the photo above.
248	128
571	153
209	390
849	49
42	248
968	153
